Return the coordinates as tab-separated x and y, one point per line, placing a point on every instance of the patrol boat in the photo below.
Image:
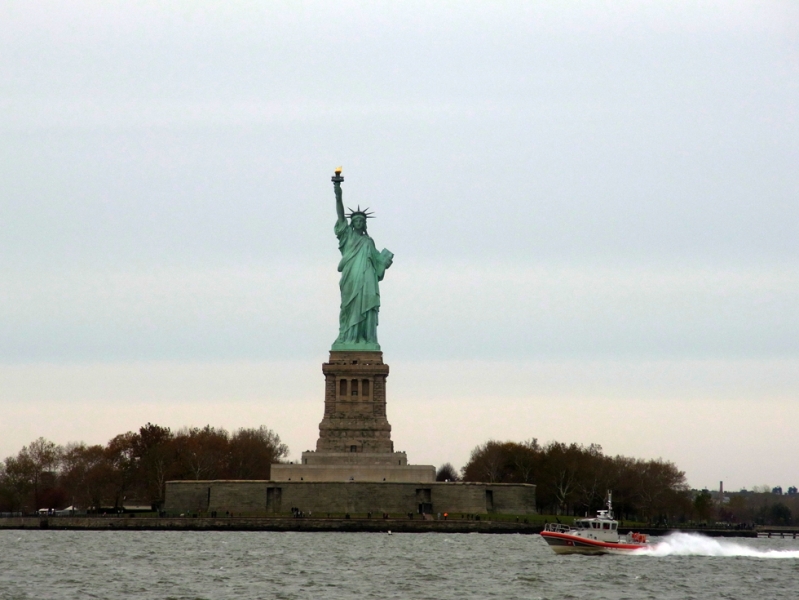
597	535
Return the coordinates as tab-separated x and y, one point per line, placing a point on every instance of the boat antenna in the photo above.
610	504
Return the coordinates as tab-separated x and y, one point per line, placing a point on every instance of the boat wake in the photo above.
694	544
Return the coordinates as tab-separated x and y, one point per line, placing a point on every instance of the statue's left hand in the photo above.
388	257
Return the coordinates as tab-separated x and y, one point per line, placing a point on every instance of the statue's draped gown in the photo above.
361	267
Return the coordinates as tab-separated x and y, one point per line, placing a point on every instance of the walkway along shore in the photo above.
306	524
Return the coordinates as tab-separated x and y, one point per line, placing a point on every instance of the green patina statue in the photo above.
361	267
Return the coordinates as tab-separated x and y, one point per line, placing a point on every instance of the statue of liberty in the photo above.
361	267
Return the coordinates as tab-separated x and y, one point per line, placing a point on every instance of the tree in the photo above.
89	476
779	514
124	477
6	495
623	480
133	466
45	457
572	478
592	481
18	482
562	469
31	472
203	452
485	463
253	451
738	509
446	472
658	481
152	453
703	505
526	460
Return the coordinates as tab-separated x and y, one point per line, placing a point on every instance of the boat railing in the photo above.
557	527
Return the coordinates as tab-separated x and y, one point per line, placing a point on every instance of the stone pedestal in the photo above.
355	404
354	436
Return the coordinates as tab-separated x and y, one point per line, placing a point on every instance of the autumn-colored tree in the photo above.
132	467
154	454
120	452
657	483
88	474
44	457
203	452
252	453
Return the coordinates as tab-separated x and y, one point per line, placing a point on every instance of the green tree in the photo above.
18	482
573	478
703	505
779	514
446	472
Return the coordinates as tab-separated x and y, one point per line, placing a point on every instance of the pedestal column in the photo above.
355	404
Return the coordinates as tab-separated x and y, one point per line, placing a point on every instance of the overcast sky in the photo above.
593	208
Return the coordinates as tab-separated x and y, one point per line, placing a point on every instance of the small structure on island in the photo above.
354	468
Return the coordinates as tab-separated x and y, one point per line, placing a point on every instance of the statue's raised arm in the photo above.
361	267
337	179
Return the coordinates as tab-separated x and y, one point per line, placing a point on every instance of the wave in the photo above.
694	544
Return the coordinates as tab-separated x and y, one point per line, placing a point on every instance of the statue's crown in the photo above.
364	213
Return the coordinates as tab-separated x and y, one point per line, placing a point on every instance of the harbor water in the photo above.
39	565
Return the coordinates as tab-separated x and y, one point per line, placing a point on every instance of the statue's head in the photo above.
358	223
358	219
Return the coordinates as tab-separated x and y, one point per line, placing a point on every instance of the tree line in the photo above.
133	467
573	479
761	507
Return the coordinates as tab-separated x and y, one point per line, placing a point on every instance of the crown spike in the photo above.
358	211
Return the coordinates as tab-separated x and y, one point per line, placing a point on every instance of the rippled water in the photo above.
245	565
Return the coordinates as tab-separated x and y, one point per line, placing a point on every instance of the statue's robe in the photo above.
361	267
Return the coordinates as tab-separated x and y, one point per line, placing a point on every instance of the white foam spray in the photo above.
694	544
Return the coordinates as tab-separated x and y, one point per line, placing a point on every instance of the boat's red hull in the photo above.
563	543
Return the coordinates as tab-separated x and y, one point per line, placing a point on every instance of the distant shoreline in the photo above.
319	525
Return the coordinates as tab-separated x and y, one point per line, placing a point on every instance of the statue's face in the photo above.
359	223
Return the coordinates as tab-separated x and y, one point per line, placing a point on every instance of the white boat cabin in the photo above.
602	527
